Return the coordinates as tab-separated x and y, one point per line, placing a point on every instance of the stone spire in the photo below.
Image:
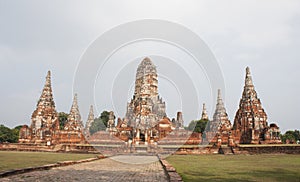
204	115
46	98
74	118
220	105
146	108
220	120
90	120
146	79
45	118
249	90
250	116
248	79
91	115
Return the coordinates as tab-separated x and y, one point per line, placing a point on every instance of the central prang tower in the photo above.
146	108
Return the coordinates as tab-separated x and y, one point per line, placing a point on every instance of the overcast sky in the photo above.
36	36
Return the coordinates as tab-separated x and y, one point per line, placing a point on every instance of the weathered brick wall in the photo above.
285	149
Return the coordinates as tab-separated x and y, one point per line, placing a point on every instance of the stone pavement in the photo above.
119	168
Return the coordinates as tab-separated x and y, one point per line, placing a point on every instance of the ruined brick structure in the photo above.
89	122
45	128
204	115
250	123
146	120
146	112
44	120
74	122
111	123
219	128
179	121
73	129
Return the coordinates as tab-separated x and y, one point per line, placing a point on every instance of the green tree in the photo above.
104	117
297	135
62	117
197	126
100	123
97	125
191	125
292	136
16	132
8	135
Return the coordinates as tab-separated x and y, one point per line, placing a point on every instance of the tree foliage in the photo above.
9	135
290	136
197	126
104	117
100	123
62	117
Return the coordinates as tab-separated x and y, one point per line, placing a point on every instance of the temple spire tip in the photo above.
248	79
219	94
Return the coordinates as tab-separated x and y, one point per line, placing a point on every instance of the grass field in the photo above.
16	160
237	167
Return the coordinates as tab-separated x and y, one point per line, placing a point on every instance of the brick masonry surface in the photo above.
108	169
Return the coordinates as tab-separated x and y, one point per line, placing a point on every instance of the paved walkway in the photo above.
120	168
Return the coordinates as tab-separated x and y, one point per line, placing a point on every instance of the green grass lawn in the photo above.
17	160
270	167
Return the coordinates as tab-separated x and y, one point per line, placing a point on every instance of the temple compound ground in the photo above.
264	167
140	168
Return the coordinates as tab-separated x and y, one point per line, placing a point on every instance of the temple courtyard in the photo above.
263	167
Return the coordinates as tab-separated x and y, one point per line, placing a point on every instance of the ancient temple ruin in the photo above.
44	119
204	115
146	109
146	121
250	123
74	122
45	127
73	129
89	122
219	128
